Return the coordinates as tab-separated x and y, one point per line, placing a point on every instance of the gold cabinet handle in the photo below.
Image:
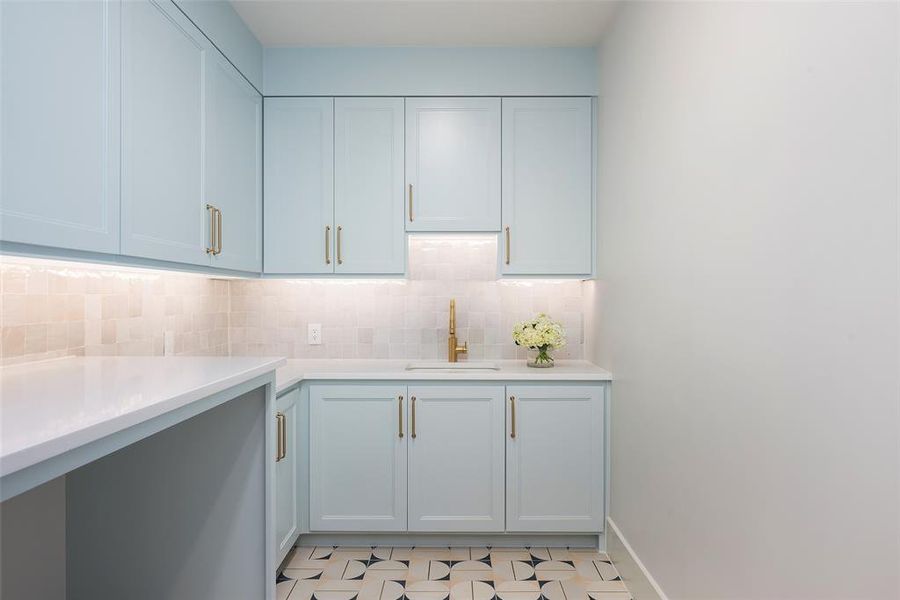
282	442
328	244
211	210
413	425
339	257
507	245
410	204
512	411
219	228
400	414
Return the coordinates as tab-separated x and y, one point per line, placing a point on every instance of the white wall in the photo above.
749	250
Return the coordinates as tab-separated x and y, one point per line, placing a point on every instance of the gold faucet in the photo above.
453	349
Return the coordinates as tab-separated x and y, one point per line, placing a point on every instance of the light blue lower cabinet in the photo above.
555	463
357	455
287	473
456	458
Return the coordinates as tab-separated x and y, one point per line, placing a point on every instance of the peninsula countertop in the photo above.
51	407
297	370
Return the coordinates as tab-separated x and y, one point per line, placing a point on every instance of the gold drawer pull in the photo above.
410	203
400	414
219	236
339	257
328	244
282	442
507	245
512	410
211	249
413	430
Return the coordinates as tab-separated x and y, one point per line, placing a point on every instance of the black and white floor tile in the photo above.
327	573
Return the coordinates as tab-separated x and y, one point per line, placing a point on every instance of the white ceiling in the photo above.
426	22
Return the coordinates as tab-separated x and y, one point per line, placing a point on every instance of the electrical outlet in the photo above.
314	334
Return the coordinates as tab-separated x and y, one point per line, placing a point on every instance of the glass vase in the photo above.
542	359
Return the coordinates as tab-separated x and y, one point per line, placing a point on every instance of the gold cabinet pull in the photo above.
507	245
413	425
339	257
400	414
219	235
211	210
512	411
410	204
282	442
328	244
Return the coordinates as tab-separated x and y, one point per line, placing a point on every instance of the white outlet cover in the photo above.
314	334
168	343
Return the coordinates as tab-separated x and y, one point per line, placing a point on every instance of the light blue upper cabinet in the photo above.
165	58
547	199
368	186
453	164
60	124
233	173
299	185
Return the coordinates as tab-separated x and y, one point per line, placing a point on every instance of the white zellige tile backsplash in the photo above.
397	318
50	309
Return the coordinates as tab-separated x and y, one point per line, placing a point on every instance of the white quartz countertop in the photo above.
296	371
51	407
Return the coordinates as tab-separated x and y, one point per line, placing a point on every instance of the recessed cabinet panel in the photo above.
357	458
453	164
456	458
547	202
287	472
299	180
234	165
555	464
165	58
60	124
368	185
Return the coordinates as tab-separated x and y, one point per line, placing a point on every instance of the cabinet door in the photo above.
453	164
547	205
368	185
299	185
234	165
60	124
357	458
164	60
456	456
555	464
287	483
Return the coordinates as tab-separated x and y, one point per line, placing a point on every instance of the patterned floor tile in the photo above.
472	590
283	587
518	590
303	573
303	590
428	590
469	573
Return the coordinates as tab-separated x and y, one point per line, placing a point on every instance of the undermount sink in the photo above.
449	366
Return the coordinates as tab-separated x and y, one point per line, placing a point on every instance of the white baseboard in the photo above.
633	572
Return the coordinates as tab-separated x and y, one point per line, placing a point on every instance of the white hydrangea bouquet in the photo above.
542	334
